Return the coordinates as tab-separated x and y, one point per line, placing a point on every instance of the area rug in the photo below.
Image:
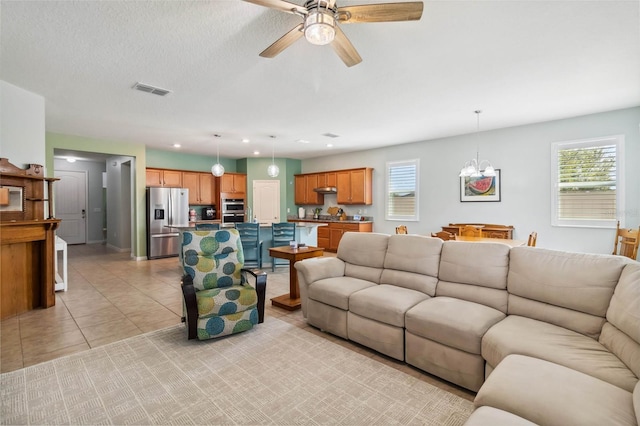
274	374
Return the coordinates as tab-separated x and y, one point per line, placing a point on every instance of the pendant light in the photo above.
273	170
474	167
217	169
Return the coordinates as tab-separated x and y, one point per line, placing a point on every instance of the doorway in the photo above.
71	205
266	201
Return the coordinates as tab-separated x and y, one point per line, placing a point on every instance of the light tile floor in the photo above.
112	297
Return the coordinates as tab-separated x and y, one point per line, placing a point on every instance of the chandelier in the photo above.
475	167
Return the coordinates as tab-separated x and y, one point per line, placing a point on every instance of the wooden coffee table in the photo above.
291	301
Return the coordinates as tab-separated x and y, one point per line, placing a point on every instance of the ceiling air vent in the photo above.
330	135
151	89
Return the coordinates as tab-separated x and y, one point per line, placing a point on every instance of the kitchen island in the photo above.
329	237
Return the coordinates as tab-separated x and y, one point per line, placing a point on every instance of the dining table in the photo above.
509	242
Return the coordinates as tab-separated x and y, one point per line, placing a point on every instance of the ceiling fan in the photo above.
321	18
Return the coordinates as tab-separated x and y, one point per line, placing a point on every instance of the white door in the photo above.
71	205
266	201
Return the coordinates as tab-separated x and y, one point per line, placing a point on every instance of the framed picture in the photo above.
480	188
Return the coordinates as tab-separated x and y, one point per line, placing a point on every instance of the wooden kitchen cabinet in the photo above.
201	187
337	230
354	186
233	182
304	190
324	237
327	179
162	177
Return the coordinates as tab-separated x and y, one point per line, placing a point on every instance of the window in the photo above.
587	179
402	190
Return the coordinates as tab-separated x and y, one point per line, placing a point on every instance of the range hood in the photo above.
326	190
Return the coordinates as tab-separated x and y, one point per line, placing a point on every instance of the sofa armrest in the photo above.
314	269
190	306
319	268
261	288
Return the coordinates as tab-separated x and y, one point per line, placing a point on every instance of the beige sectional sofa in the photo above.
543	336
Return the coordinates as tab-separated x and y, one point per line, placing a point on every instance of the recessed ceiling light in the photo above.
256	152
176	145
245	140
303	141
329	145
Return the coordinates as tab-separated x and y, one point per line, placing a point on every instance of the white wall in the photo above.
523	155
21	126
119	204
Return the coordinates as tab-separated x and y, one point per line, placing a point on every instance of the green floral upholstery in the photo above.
226	303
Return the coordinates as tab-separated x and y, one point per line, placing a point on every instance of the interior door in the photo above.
71	205
266	201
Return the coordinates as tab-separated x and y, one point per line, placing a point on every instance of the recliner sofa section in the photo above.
460	310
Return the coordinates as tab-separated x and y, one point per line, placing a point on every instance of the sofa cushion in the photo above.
485	416
561	287
363	249
452	322
636	400
336	291
412	261
549	394
472	263
526	336
474	272
621	335
385	303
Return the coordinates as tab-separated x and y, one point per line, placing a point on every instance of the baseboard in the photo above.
120	249
96	242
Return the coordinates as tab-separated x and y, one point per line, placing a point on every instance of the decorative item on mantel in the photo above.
473	167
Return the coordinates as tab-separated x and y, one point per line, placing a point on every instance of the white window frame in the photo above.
556	147
404	218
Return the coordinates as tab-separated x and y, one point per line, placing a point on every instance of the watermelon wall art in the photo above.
480	188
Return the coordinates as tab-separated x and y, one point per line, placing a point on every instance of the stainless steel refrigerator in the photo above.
167	209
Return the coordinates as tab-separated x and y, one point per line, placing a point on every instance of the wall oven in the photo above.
232	211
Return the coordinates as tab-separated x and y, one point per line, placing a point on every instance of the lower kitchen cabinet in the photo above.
336	231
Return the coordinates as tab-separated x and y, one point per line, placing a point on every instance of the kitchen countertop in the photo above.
321	220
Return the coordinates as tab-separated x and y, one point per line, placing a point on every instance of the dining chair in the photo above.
281	235
402	229
470	231
532	239
626	242
250	238
444	235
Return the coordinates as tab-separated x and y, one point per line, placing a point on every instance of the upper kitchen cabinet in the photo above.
327	179
233	183
167	178
201	187
304	190
354	186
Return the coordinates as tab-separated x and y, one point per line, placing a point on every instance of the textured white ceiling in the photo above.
519	61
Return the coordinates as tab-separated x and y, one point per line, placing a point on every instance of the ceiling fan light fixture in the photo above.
319	27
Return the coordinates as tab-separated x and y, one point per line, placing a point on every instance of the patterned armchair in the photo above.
218	299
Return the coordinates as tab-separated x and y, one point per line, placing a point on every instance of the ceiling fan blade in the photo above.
343	47
384	12
283	42
281	5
